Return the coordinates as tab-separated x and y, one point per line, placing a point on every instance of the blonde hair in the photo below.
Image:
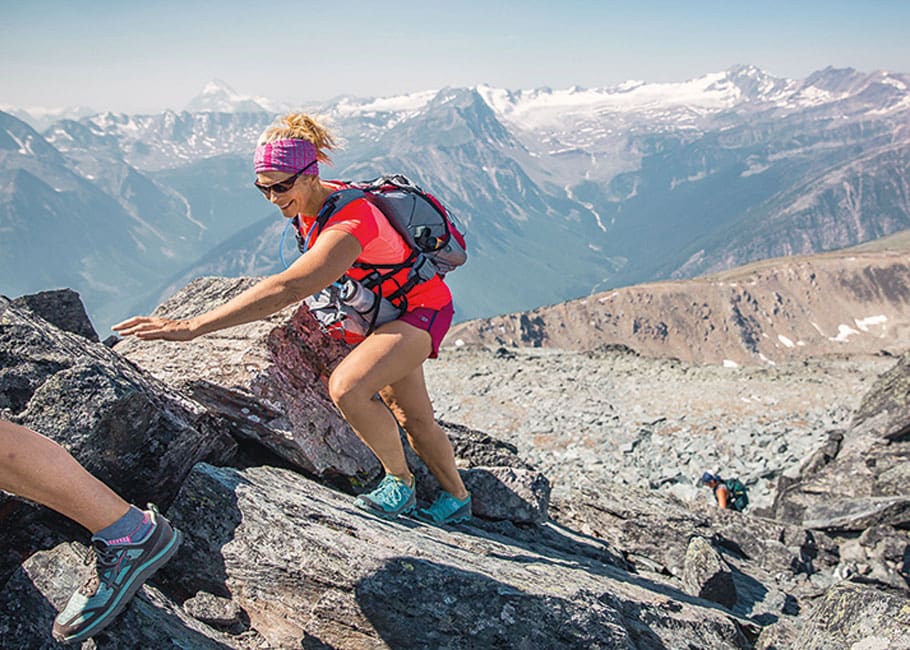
300	126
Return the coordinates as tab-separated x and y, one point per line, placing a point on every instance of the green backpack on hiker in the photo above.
739	497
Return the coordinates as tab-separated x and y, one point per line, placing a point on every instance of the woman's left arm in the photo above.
329	258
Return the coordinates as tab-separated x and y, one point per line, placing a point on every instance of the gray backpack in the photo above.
354	308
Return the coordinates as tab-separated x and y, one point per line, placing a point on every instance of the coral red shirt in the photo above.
381	244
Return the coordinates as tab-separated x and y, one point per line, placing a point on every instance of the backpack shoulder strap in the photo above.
334	202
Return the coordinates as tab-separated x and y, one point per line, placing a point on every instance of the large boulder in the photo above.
707	575
885	410
124	426
127	428
861	480
856	485
267	379
508	493
60	307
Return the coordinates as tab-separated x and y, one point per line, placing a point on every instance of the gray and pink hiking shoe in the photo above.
120	570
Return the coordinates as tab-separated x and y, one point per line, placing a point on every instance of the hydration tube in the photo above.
284	236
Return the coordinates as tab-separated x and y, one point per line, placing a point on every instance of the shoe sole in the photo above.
445	522
366	507
128	591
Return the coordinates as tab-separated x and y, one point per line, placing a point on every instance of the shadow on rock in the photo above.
555	544
208	522
413	603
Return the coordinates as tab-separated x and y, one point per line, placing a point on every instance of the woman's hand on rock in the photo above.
149	328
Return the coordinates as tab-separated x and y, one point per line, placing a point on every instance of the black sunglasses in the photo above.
281	186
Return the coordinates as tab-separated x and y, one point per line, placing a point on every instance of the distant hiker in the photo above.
128	544
341	253
730	494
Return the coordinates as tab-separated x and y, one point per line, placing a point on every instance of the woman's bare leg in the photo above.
39	469
385	357
410	402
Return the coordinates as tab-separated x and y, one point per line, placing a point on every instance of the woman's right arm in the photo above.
329	258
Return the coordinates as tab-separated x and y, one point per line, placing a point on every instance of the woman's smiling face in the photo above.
290	200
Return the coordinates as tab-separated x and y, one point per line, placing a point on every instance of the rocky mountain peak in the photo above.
754	84
219	97
836	80
19	141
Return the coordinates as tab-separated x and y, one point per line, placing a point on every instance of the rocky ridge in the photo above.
846	302
276	556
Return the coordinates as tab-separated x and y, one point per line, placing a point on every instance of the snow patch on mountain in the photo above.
25	145
410	103
543	108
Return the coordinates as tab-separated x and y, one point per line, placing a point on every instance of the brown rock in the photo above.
267	379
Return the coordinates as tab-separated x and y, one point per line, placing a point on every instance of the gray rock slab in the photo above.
653	525
858	514
857	617
307	568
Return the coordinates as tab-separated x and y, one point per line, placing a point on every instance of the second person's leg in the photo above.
37	468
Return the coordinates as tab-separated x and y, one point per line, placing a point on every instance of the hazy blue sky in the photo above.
139	56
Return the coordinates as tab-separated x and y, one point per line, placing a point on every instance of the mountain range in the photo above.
564	193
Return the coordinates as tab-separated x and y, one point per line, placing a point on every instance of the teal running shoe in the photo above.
446	509
392	497
120	570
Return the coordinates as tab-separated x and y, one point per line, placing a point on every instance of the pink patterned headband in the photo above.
289	156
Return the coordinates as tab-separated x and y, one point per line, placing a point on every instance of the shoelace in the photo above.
103	558
391	487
